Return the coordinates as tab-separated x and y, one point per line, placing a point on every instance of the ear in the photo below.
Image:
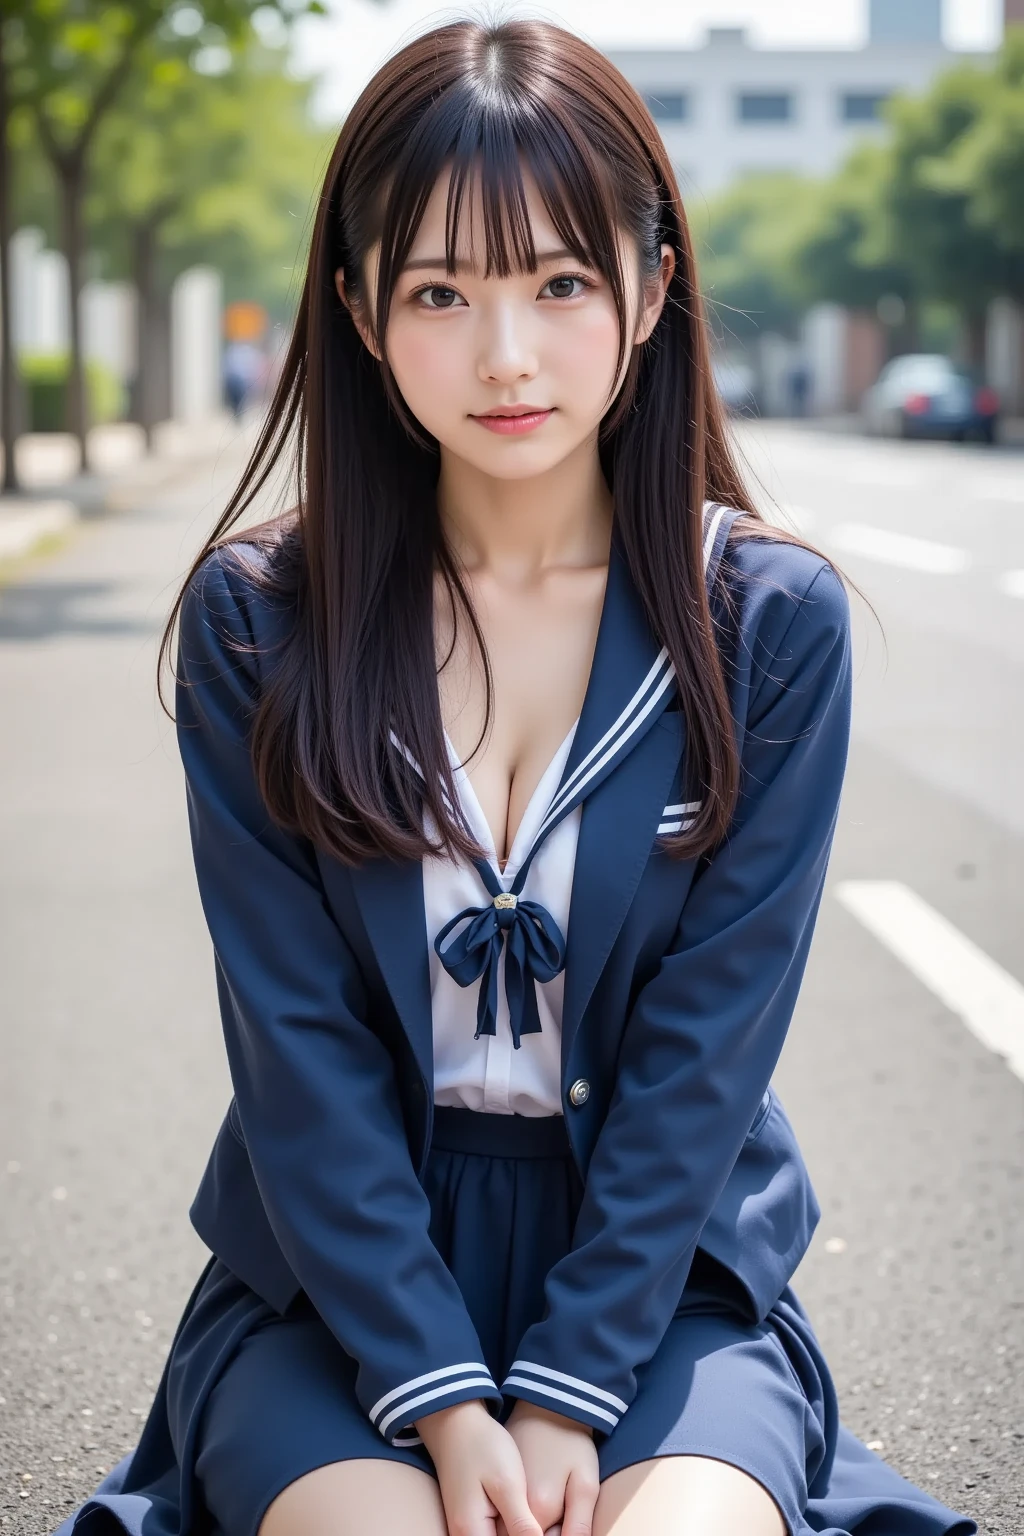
654	295
357	321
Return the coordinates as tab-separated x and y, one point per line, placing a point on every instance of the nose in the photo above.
507	350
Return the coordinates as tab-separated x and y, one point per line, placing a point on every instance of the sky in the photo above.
349	44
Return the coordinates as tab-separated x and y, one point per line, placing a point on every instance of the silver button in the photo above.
579	1093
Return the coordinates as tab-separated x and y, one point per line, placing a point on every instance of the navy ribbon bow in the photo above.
534	951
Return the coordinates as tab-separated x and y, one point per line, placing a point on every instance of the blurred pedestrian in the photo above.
244	368
799	387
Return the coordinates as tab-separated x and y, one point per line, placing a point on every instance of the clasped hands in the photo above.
535	1475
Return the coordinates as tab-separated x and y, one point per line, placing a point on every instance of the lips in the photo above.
512	420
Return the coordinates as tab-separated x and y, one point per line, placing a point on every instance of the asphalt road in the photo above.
113	1079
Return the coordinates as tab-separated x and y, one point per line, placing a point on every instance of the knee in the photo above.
357	1498
692	1495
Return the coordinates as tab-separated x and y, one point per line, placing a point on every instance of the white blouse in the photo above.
489	1074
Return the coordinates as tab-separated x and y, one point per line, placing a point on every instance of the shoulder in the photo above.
773	585
783	620
237	606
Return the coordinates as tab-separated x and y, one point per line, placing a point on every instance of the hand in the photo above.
560	1460
480	1472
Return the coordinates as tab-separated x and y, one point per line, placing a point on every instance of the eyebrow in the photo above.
439	261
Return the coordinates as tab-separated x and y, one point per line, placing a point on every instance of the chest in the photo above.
539	638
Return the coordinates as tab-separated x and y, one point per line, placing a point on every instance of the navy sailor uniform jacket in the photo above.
680	981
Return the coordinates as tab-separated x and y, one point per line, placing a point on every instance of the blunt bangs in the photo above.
487	135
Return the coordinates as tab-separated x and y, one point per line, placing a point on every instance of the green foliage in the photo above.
928	217
45	376
221	168
746	249
984	169
32	188
839	255
68	60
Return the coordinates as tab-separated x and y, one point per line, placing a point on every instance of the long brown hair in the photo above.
356	557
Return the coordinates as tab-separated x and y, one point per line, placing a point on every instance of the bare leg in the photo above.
358	1498
688	1495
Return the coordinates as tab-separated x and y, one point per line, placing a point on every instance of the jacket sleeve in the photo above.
315	1087
705	1033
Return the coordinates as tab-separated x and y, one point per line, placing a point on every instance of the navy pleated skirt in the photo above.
251	1399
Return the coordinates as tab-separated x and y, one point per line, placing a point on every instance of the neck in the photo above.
521	528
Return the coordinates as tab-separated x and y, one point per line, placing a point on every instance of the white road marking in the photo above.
1012	583
988	999
900	549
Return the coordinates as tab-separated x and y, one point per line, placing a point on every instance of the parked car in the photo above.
925	395
736	385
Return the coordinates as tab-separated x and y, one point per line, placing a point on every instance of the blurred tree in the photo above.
746	240
68	61
193	166
986	165
838	254
926	218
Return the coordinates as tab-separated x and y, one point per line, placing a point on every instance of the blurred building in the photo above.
727	108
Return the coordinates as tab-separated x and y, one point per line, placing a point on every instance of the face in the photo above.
511	375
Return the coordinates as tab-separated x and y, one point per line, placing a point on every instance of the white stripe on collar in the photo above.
712	529
414	765
660	677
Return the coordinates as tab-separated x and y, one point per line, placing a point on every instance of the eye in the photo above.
441	297
562	285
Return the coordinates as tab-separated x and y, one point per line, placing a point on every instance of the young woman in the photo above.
513	761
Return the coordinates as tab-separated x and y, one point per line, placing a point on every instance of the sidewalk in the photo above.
55	495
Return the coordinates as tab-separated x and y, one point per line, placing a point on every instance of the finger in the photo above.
580	1502
477	1517
513	1508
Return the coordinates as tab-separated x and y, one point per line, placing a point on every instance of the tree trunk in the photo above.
71	171
159	343
974	325
143	264
152	377
909	338
9	384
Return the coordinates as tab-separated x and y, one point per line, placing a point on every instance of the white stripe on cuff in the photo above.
570	1381
420	1381
404	1409
562	1397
